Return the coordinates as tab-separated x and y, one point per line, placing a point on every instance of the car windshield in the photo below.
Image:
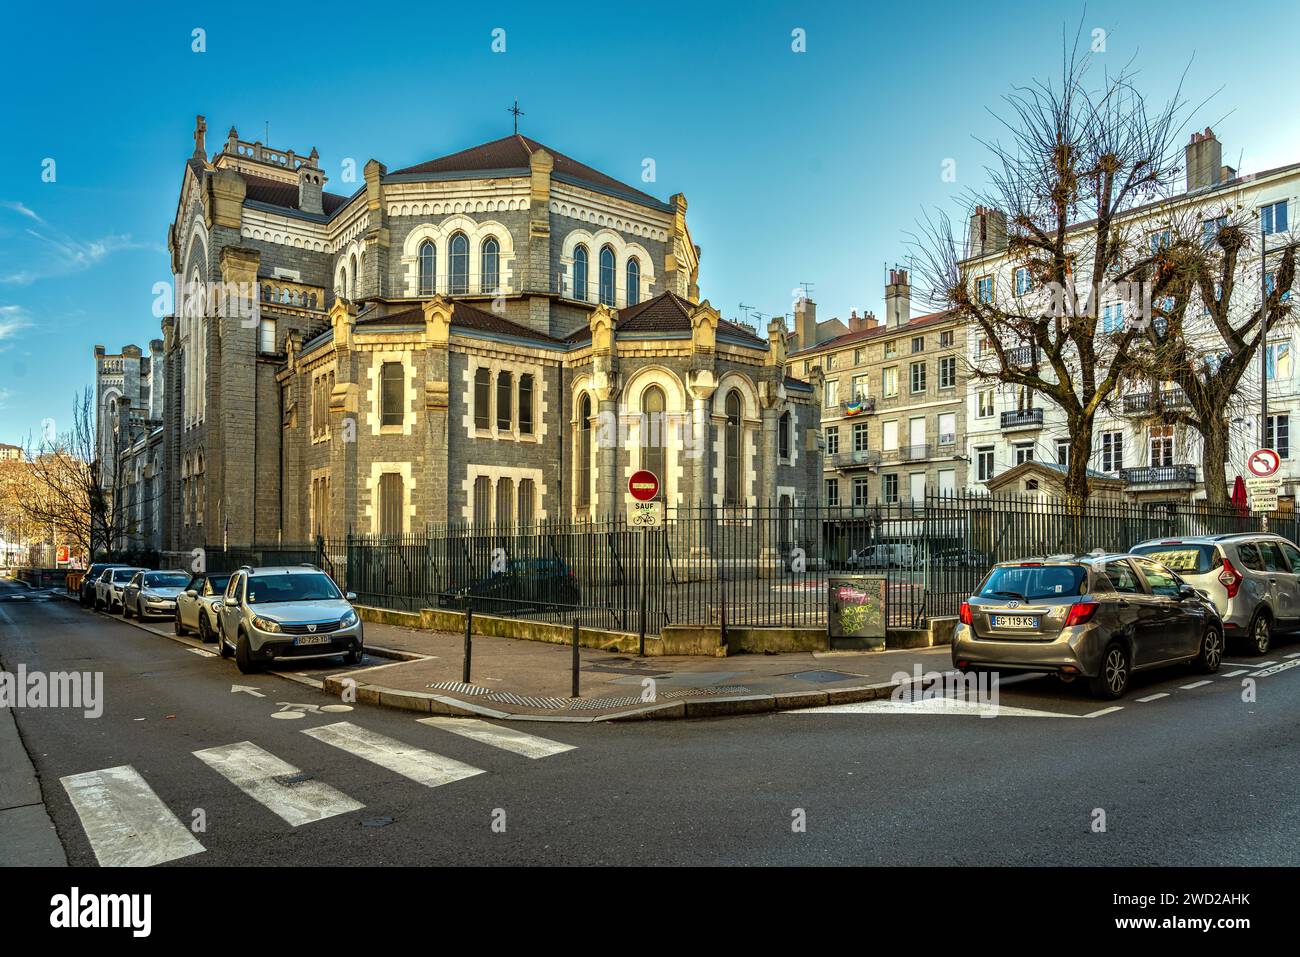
219	582
264	589
124	574
1034	582
166	580
1180	557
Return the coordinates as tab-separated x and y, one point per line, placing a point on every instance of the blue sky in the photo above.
798	167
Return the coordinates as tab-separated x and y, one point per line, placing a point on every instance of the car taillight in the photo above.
965	613
1230	578
1080	612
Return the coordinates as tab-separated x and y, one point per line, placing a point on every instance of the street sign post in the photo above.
644	511
1263	483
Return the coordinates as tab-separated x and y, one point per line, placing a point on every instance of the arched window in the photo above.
653	433
633	282
783	436
428	267
458	251
608	274
490	267
583	452
352	276
580	273
731	474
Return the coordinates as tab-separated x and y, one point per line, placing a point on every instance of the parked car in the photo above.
109	586
297	612
960	557
86	594
1253	580
198	602
891	554
524	584
153	593
1099	617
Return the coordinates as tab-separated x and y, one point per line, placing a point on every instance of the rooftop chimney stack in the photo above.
805	322
311	183
1204	161
898	299
988	231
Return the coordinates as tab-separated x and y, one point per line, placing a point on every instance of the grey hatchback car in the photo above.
293	612
1099	617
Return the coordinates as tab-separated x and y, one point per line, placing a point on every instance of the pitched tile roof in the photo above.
849	338
285	195
513	152
463	316
666	312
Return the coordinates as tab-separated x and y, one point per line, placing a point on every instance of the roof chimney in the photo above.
311	183
863	322
805	322
1204	161
988	231
898	299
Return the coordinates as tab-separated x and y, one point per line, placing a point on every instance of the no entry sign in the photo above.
643	485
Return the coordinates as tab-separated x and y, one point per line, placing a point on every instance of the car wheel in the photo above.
1207	662
1261	633
244	655
354	656
126	612
223	647
177	626
1112	681
205	630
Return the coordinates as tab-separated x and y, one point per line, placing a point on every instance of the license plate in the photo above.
312	640
1015	621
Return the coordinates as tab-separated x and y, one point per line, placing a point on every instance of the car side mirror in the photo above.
1186	592
191	593
231	602
351	596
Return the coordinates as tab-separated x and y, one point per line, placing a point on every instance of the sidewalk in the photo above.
530	680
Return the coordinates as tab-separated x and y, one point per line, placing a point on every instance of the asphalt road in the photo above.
1195	777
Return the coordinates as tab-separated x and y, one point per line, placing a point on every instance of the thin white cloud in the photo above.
13	319
58	254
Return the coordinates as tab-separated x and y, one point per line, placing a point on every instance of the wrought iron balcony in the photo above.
1160	475
861	458
1023	356
1143	403
1022	419
913	453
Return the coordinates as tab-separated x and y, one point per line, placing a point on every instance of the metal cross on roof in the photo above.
517	112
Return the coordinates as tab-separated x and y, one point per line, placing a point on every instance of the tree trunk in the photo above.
1076	474
1214	434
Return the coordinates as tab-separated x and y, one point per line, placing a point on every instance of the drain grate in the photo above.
595	704
695	692
459	687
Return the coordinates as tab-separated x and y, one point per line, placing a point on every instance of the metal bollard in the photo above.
575	693
469	624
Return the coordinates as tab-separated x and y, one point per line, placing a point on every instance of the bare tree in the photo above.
1081	157
1206	331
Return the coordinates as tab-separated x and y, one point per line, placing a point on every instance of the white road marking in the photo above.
1111	709
246	689
1285	666
931	706
1154	697
1240	664
202	653
255	772
1194	684
423	767
507	739
125	821
1294	654
1233	674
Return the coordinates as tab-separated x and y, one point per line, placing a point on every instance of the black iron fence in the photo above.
756	566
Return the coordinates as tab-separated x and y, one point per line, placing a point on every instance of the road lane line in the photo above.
507	739
1154	697
1194	684
260	774
1294	654
1233	674
1103	711
1276	669
423	767
125	821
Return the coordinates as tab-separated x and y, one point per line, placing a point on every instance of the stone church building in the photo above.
499	335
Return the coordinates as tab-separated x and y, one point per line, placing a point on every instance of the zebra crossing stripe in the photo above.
1233	674
507	739
423	767
126	823
261	775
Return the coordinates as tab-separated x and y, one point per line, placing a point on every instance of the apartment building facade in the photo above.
1138	438
893	402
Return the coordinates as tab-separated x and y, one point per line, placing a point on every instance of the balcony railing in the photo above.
1142	403
284	295
1023	356
858	459
1022	419
1160	475
863	405
913	453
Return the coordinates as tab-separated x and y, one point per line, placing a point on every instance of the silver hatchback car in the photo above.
1099	617
1253	580
297	612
